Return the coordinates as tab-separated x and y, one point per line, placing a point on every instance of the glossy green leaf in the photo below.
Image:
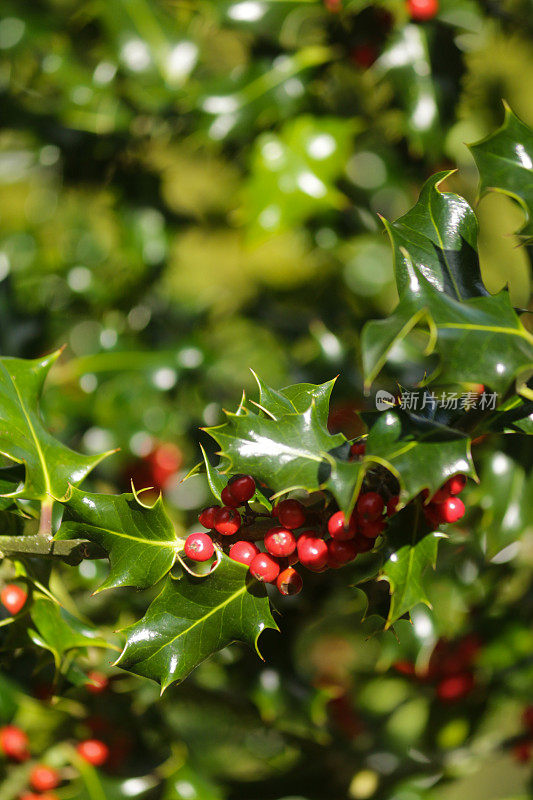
505	498
215	480
293	451
487	326
516	416
505	163
140	540
50	466
411	550
421	454
58	631
194	617
439	234
295	399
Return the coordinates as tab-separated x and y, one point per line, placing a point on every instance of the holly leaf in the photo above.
439	236
288	445
505	163
215	480
407	561
50	466
194	617
295	399
487	326
140	540
516	416
420	453
293	451
59	631
505	499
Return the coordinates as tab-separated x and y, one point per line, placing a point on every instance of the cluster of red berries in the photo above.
15	745
445	506
43	779
317	541
523	749
449	668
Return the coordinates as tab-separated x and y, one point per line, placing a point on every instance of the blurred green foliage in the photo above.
191	189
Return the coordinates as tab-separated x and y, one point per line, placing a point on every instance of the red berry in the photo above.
441	494
371	530
164	461
364	55
280	542
242	488
341	552
244	552
527	717
339	530
264	568
312	552
227	521
422	10
289	581
291	514
522	751
207	517
392	505
455	687
451	510
456	484
358	449
43	778
14	743
363	544
93	751
432	515
370	506
227	497
468	649
13	598
97	682
199	547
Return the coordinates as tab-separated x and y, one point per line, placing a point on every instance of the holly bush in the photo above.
196	205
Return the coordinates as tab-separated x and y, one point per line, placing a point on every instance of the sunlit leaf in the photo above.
140	540
194	617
